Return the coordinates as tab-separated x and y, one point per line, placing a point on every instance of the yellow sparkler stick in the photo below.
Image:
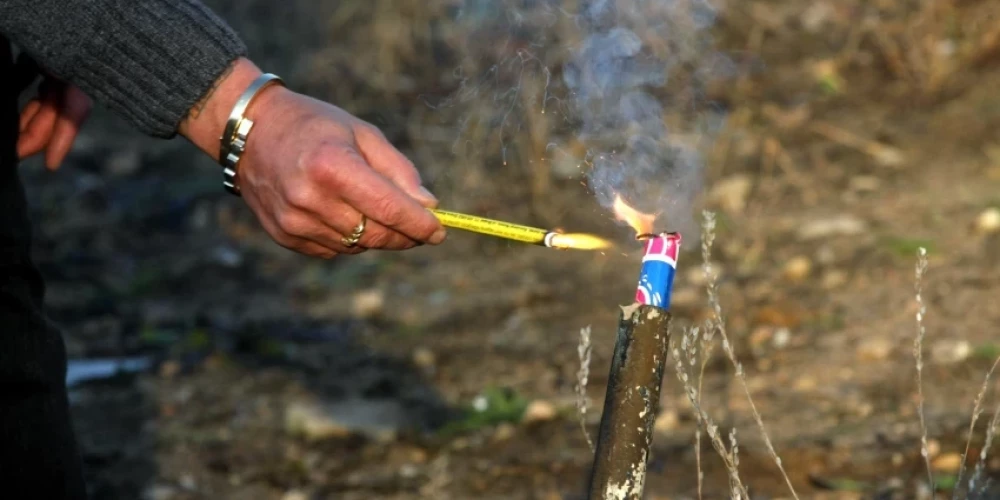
517	232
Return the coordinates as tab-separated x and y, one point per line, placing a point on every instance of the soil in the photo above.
852	158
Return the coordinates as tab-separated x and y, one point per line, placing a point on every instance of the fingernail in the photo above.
438	236
428	196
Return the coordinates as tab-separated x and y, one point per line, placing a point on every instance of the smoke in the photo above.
619	81
624	78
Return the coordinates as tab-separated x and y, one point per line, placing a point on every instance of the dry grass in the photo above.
584	352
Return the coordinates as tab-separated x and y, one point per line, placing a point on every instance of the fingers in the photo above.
388	161
281	231
28	114
339	169
38	131
336	218
76	108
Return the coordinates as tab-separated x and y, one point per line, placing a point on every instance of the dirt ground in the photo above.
856	133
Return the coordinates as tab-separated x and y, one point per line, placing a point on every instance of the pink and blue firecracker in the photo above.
659	264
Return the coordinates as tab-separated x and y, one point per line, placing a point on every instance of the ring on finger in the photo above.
353	239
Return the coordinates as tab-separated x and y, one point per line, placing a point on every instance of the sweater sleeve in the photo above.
149	61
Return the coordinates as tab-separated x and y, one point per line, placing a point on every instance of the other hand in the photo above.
51	121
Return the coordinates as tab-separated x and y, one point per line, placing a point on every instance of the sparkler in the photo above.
524	234
632	400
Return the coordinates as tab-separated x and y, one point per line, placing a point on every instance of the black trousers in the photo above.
39	458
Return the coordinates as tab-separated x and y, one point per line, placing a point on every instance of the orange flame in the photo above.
641	222
579	241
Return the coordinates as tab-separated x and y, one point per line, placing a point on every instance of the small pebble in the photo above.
781	338
368	303
666	421
504	432
874	349
949	462
540	411
988	222
797	269
425	359
295	495
834	279
840	225
950	352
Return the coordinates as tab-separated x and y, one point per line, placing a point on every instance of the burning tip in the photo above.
576	241
641	222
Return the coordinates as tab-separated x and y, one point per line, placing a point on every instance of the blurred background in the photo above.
832	138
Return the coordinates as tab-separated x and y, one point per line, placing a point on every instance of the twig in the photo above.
981	464
977	410
584	351
918	345
720	327
706	351
729	456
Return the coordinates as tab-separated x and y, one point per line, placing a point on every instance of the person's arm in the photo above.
149	61
311	171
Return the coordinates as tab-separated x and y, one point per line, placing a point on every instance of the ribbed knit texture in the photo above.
149	61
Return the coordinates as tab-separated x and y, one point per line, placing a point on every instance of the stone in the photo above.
160	492
874	349
540	411
368	303
782	336
988	222
730	194
948	462
295	495
833	278
425	359
951	351
805	383
839	225
797	269
314	421
504	432
865	183
666	421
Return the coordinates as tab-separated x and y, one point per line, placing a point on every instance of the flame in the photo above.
578	241
641	222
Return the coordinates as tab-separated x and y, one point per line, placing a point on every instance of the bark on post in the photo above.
631	404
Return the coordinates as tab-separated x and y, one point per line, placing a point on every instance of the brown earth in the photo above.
857	132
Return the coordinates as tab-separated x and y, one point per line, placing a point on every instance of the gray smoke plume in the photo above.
620	87
625	70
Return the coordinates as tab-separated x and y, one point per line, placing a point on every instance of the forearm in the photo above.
149	61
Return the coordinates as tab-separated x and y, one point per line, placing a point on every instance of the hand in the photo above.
51	121
311	171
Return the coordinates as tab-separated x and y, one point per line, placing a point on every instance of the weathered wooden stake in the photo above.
631	404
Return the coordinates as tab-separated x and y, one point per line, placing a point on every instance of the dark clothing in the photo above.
38	452
149	61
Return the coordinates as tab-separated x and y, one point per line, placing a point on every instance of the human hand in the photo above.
311	171
50	122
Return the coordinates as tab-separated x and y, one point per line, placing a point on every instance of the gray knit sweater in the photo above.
149	61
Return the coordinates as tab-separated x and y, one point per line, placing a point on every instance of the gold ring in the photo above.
355	237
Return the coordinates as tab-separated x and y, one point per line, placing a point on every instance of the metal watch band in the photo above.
238	127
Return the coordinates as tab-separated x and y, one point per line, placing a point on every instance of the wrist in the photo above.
207	119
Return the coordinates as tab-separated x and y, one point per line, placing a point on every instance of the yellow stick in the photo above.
517	232
492	227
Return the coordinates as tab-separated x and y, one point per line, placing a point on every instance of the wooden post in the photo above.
631	404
